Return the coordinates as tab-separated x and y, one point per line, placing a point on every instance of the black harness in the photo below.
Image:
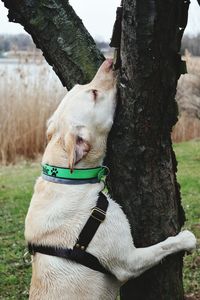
79	253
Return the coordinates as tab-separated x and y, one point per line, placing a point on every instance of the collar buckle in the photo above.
104	172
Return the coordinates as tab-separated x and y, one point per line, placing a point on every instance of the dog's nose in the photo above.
109	61
107	64
105	76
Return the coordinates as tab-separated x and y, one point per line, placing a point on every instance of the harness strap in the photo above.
97	216
76	255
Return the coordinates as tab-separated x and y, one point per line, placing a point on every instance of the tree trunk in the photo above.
140	154
61	35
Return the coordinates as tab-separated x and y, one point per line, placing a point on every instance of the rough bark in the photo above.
61	35
140	154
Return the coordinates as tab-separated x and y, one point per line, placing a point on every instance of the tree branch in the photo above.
61	35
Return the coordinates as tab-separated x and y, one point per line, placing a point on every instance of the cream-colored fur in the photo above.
77	134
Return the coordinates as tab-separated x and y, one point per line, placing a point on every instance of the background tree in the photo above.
140	154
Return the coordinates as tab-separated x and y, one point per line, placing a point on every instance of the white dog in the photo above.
60	207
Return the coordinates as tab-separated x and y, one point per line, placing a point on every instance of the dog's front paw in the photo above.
188	241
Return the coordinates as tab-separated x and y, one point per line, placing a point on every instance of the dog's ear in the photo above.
76	148
50	132
51	128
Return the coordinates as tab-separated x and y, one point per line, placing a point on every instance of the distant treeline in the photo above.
16	42
23	42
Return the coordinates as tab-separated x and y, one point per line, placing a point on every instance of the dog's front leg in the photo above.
141	259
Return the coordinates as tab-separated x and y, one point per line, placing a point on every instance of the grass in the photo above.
15	192
188	155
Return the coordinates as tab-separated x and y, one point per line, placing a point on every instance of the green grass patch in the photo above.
188	156
16	187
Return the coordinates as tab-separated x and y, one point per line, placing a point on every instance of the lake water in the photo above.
16	72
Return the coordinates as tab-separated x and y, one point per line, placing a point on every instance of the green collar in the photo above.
77	176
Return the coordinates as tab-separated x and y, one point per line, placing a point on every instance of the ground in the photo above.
15	192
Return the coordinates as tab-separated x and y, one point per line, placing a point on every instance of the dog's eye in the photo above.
95	94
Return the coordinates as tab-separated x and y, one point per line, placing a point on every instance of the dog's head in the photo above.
84	118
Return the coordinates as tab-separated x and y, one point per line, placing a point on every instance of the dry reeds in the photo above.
29	93
186	129
28	96
188	98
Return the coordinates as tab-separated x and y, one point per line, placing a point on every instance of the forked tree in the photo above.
140	155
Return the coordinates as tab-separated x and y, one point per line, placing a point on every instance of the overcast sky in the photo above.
98	17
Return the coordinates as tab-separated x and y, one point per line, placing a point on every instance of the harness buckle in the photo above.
98	214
